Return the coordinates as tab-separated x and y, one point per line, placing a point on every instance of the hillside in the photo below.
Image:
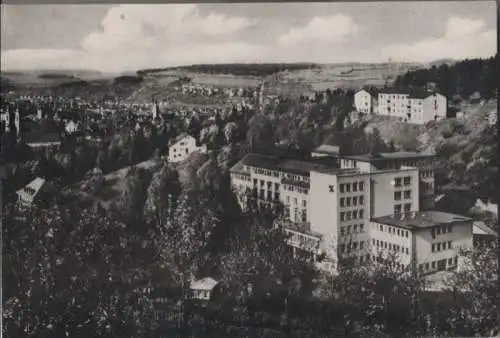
466	149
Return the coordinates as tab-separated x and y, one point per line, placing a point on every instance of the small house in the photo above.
475	98
32	194
182	146
203	289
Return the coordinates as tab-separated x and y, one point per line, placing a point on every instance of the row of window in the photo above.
296	189
406	181
392	230
390	246
356	200
398	208
298	215
436	247
353	246
269	197
426	173
406	195
242	177
355	186
352	215
346	230
304	242
295	200
434	264
443	229
266	172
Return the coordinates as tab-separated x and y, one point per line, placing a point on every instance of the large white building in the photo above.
422	242
412	106
182	147
330	203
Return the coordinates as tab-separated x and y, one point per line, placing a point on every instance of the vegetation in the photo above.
463	78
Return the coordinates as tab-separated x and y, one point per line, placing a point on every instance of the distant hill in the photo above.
239	69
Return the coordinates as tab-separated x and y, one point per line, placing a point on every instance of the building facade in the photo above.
363	102
412	106
423	242
182	147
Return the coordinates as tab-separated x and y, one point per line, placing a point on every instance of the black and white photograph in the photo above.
290	169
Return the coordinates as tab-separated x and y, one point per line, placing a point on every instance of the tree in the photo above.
133	195
162	193
75	272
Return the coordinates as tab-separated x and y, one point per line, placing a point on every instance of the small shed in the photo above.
203	288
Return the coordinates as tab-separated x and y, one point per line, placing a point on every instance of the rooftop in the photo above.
299	167
327	149
30	191
415	93
400	155
421	219
206	283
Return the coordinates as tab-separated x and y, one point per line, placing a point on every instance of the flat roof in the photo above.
399	155
421	219
300	167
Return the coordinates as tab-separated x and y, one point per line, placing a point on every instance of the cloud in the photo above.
463	38
145	36
334	28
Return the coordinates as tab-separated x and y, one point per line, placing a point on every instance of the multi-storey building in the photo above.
412	106
363	102
383	161
422	242
340	205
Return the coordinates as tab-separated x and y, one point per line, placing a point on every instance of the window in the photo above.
355	245
354	201
434	264
361	186
304	216
361	228
407	180
355	186
433	247
398	232
449	244
342	202
348	229
426	266
421	267
304	203
355	228
277	196
342	231
348	201
342	188
348	216
287	199
450	228
378	243
287	212
361	214
381	227
361	200
438	247
331	188
254	181
406	234
269	185
276	186
438	231
355	214
407	194
361	245
397	195
407	251
385	245
295	201
407	207
348	187
261	183
342	248
456	260
342	216
397	182
450	261
397	209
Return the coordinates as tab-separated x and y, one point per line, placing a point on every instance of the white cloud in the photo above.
327	29
144	36
463	38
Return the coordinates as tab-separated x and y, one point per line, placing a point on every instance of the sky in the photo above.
117	38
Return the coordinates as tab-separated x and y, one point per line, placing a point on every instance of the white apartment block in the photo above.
364	102
182	147
412	106
421	242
